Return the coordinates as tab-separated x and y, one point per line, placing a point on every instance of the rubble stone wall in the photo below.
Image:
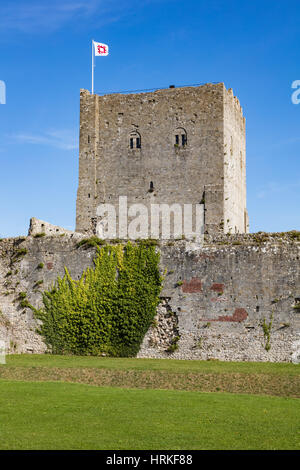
214	302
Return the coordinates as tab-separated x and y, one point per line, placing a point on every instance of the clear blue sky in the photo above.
45	58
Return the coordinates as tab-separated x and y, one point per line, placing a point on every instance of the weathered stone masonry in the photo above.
214	299
179	145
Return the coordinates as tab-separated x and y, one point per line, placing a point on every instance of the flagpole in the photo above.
92	66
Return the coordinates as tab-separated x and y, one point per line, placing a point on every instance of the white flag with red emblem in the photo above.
100	49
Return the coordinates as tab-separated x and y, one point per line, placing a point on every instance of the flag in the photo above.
100	49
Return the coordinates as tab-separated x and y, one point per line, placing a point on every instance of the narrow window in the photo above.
89	139
180	137
135	140
151	187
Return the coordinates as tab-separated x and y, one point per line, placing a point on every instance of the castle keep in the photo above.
177	145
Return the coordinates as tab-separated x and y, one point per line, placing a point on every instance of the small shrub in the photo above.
179	283
39	235
294	235
91	242
22	295
19	253
267	327
172	348
4	320
40	266
38	283
174	345
148	242
24	303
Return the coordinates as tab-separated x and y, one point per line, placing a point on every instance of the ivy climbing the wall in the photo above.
109	310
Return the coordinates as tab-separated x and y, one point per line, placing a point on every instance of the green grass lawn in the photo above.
48	415
129	403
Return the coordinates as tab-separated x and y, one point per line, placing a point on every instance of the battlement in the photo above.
235	101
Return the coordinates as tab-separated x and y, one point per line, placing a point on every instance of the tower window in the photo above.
135	140
151	189
180	137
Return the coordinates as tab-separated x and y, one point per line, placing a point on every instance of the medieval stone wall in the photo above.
128	147
214	300
235	212
40	228
223	292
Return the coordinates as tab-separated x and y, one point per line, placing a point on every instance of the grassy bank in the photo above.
206	376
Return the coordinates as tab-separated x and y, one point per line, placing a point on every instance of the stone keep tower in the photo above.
176	145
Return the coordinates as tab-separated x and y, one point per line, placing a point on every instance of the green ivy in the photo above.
109	310
267	327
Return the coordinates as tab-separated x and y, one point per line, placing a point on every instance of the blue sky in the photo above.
45	58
